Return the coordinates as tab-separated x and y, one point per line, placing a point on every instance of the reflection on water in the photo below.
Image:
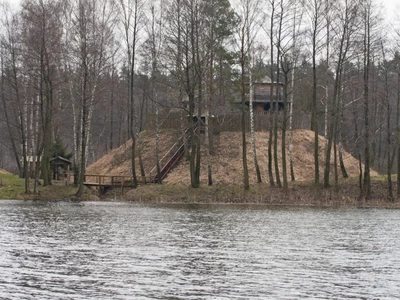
131	251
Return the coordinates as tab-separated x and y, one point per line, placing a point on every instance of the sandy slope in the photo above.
4	171
227	167
118	161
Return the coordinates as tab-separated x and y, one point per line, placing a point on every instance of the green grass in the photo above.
298	193
11	186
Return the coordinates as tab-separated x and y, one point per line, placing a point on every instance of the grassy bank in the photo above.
303	193
10	186
13	187
298	194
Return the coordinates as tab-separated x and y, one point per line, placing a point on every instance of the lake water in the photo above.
112	250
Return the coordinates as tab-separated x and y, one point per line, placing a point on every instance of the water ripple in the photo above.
130	251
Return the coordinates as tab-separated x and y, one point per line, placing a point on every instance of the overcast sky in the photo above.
389	7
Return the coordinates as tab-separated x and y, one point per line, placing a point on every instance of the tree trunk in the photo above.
341	162
154	90
398	128
271	123
47	132
83	139
209	108
286	70
367	44
243	120
292	177
159	179
388	131
21	123
7	118
139	142
251	110
314	109
276	109
336	107
199	74
389	144
132	111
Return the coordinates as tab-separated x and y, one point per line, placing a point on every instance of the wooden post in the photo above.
67	181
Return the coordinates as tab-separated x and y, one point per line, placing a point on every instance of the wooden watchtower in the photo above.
263	101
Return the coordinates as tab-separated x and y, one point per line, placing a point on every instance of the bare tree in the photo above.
250	10
271	124
42	35
314	9
397	63
369	38
222	21
13	98
346	30
384	68
155	44
132	15
243	105
296	34
93	21
9	56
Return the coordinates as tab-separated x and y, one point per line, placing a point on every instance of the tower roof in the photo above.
265	79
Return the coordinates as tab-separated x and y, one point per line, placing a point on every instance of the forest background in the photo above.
85	76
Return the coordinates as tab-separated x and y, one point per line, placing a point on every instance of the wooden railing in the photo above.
169	160
107	180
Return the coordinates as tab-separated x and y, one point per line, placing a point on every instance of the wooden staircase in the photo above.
171	158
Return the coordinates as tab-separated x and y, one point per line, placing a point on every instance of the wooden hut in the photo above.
60	167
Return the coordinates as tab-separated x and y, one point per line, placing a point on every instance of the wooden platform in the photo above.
108	180
104	182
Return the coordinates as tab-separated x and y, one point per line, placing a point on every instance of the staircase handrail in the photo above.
168	162
178	143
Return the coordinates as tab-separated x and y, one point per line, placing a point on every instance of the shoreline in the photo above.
298	194
374	204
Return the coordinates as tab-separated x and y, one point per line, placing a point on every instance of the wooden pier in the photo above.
105	182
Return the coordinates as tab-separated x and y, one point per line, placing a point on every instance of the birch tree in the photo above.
243	65
93	23
42	35
271	123
250	11
397	64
